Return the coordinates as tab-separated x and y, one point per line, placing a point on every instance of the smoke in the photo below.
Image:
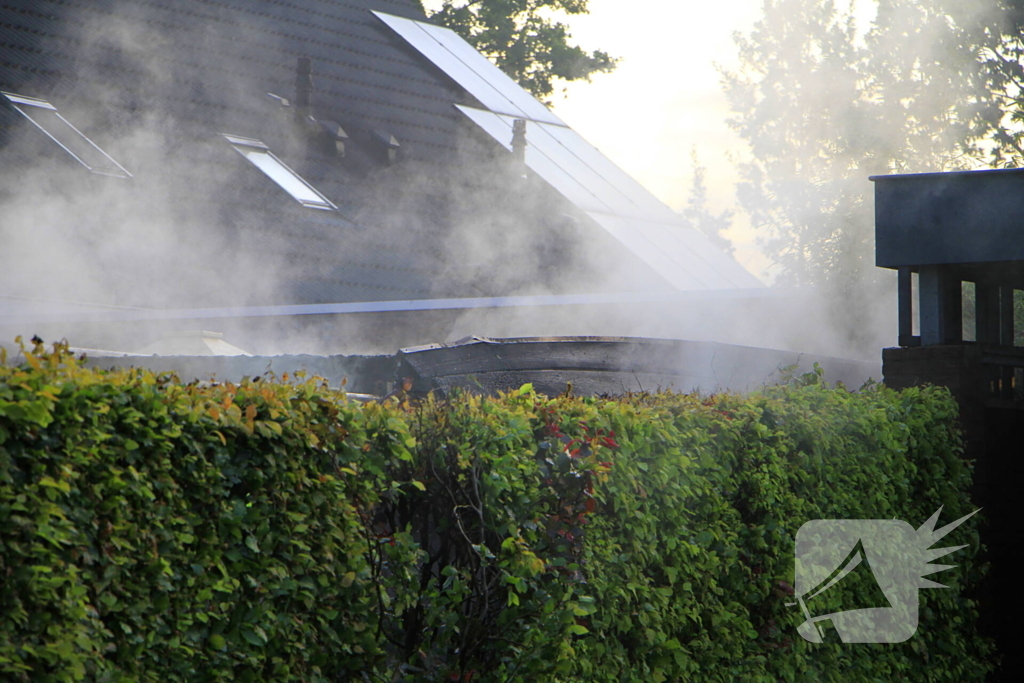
142	242
828	94
198	228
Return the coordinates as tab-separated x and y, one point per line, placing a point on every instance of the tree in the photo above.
1008	147
699	214
525	39
823	105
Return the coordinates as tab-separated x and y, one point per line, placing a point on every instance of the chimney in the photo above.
303	88
387	146
519	140
335	137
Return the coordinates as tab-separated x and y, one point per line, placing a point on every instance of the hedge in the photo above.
155	530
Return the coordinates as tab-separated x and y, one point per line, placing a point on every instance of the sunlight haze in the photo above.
665	98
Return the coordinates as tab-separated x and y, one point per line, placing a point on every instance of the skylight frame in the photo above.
252	149
19	102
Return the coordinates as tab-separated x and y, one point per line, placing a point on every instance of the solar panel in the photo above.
624	183
568	160
500	128
624	230
637	219
470	69
711	260
679	253
575	168
694	252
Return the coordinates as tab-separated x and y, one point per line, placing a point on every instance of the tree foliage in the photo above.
699	214
525	39
1008	57
824	104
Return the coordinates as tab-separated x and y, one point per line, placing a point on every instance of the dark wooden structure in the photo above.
962	236
951	228
592	365
609	365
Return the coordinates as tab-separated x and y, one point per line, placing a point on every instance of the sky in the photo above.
665	99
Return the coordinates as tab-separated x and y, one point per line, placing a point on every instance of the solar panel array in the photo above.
470	69
577	169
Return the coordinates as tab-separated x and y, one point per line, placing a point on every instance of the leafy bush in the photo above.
690	554
151	529
156	531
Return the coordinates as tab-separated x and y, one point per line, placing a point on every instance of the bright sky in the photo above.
664	99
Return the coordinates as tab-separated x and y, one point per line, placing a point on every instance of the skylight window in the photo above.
291	182
44	116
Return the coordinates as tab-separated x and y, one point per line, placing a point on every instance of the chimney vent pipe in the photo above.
519	140
303	87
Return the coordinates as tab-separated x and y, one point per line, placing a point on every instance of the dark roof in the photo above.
218	58
155	82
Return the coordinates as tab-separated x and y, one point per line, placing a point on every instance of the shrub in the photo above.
157	530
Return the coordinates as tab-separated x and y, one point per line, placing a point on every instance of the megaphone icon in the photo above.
884	560
854	566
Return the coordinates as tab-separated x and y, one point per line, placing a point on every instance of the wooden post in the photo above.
905	304
986	308
1006	316
940	306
